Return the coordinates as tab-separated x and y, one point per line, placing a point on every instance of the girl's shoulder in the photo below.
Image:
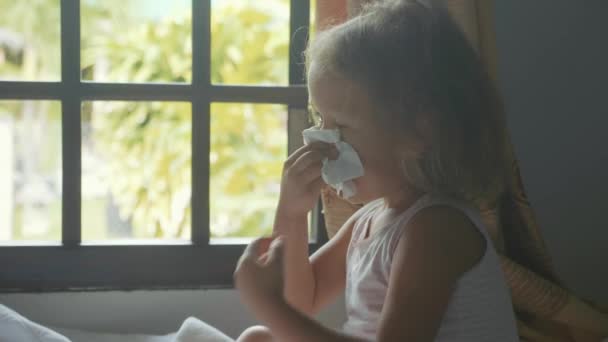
370	206
432	216
450	227
439	219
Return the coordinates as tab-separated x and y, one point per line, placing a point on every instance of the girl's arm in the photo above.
439	246
288	324
260	282
310	285
300	187
329	266
299	277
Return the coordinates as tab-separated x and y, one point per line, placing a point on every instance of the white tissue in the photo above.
340	172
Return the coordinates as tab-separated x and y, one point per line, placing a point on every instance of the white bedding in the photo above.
16	328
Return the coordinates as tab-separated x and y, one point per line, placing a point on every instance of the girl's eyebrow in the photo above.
313	115
314	110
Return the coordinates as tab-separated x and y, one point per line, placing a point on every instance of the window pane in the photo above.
312	29
250	42
136	40
248	147
29	40
136	170
30	170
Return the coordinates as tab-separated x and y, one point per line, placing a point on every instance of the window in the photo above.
141	145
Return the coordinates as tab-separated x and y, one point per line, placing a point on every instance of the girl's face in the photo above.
344	105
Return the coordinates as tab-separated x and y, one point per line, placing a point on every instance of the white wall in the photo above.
154	312
553	69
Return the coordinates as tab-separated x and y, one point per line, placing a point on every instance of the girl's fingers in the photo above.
316	186
262	250
271	243
307	168
275	253
295	155
263	246
311	174
251	252
308	159
303	176
263	258
307	171
317	145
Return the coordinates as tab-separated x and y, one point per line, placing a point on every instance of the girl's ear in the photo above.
417	141
409	147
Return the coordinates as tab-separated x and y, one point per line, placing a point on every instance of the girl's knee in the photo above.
256	333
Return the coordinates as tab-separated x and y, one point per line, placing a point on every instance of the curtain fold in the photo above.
536	290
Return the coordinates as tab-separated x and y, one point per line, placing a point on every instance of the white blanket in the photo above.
16	328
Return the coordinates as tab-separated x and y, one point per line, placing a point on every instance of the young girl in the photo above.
405	89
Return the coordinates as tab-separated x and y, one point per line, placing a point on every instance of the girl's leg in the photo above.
256	334
194	330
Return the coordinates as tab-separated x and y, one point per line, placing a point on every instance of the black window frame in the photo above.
72	265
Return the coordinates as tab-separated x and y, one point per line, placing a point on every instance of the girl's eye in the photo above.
316	118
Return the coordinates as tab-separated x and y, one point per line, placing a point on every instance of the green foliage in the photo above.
148	146
135	50
250	42
36	24
248	144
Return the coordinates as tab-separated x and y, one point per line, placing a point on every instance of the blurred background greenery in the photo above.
136	156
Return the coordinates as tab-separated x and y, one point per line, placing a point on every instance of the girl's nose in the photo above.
329	150
327	124
332	152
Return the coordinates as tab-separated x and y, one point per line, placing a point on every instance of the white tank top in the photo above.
480	308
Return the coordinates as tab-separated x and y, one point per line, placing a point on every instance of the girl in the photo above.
403	87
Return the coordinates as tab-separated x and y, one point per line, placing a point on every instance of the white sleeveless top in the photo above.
480	308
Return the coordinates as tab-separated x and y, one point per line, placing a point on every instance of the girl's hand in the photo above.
301	181
259	274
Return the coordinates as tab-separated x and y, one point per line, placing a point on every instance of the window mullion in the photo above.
71	135
297	120
299	19
299	22
20	90
201	84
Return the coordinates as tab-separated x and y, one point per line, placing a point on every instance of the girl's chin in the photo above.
357	199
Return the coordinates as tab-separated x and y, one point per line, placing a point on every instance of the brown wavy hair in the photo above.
415	61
